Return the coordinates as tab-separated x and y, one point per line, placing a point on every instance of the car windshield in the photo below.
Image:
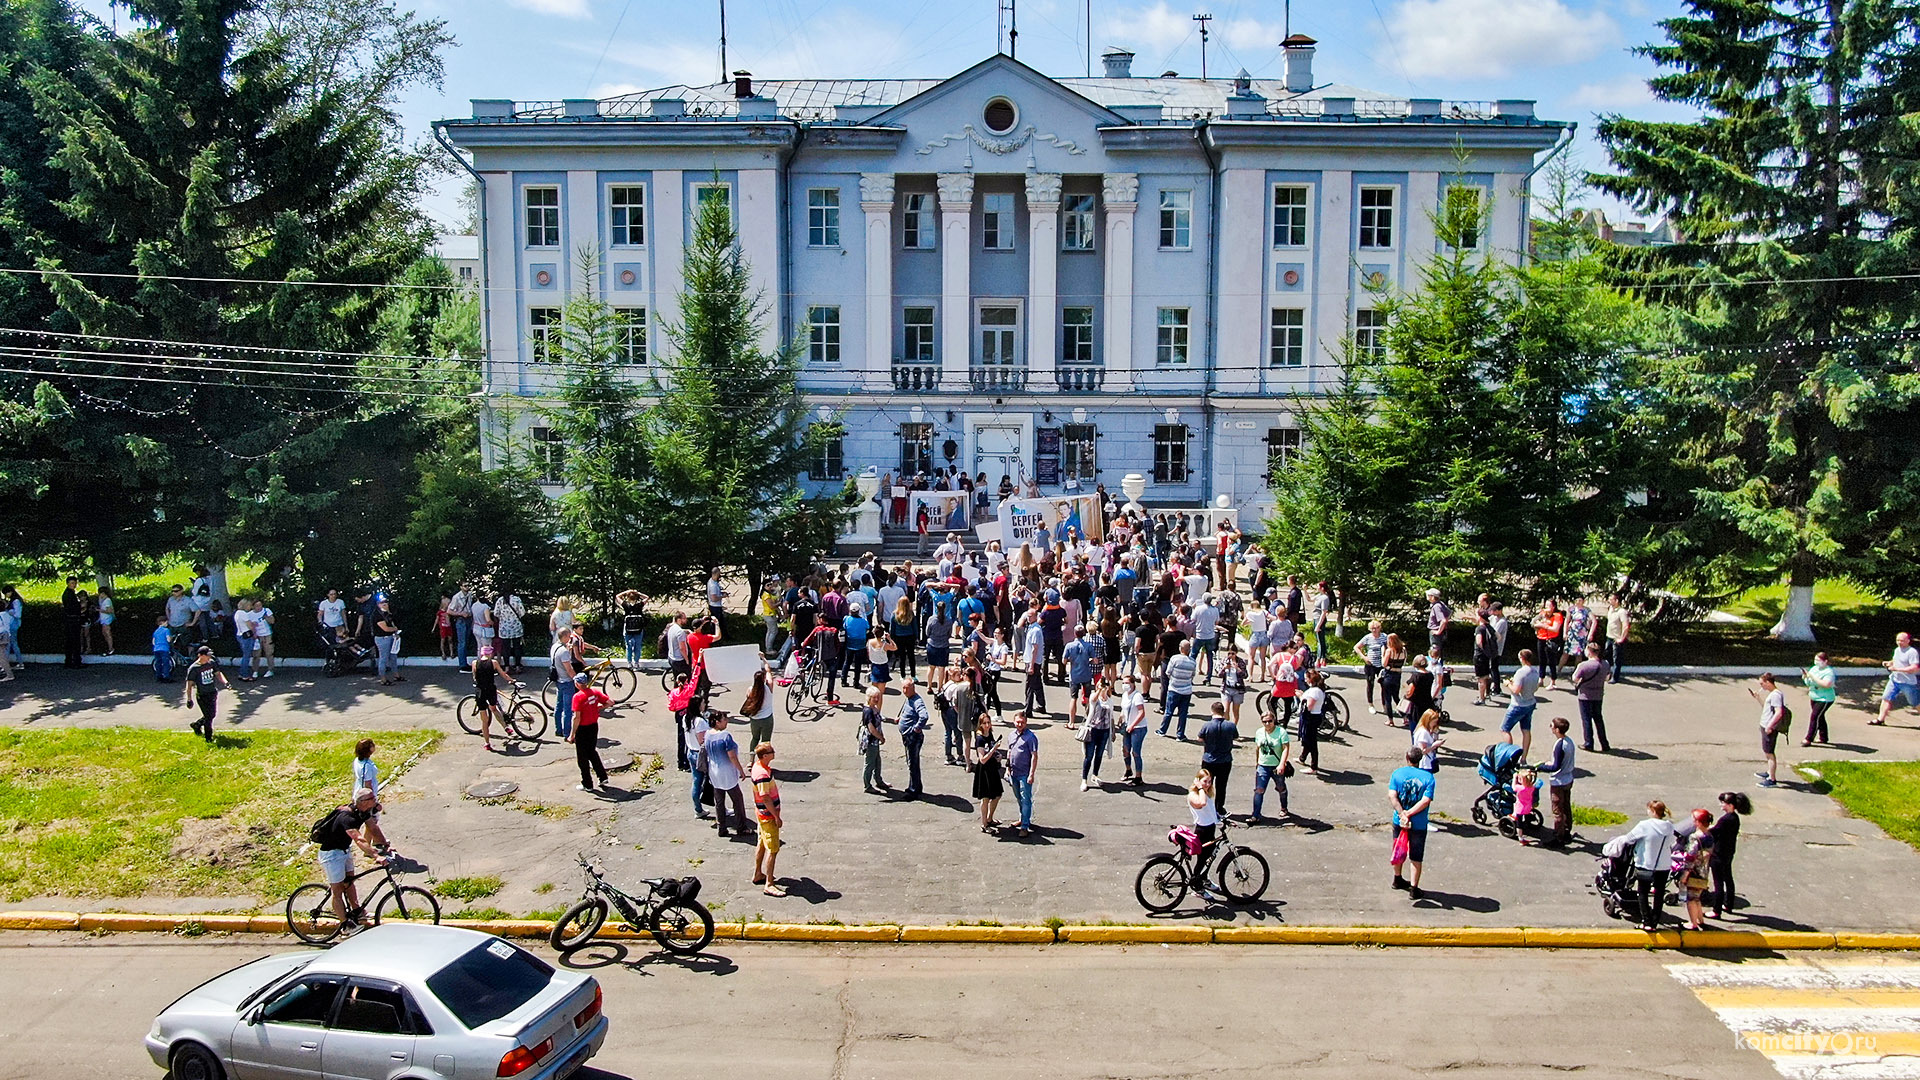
490	981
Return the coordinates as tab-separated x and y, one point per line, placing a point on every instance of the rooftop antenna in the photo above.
1090	38
723	40
1286	20
1203	19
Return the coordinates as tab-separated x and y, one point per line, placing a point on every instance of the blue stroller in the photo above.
1495	804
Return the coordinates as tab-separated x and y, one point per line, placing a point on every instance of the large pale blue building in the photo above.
1069	278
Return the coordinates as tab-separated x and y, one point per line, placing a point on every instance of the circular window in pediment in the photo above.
1000	116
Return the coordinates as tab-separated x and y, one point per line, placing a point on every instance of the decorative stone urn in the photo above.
1133	485
865	526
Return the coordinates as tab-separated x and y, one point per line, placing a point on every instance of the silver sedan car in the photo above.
395	1002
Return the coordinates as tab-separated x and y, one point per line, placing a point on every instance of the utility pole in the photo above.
1203	19
723	40
1089	39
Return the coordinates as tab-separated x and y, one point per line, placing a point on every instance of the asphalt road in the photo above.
77	1008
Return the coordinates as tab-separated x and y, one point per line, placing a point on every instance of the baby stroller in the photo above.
341	657
1495	805
1614	882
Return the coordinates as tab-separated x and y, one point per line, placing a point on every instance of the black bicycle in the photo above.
1335	718
310	909
521	716
669	911
1240	872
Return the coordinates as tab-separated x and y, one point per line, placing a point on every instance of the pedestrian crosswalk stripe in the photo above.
1818	1020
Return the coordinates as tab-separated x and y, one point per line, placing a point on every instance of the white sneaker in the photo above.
1083	785
583	787
268	675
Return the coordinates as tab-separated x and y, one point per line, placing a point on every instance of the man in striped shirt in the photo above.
766	805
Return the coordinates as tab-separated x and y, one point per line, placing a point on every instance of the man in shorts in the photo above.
766	806
1903	679
1411	790
338	835
1524	684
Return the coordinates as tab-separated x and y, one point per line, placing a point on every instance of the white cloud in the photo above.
565	9
1614	95
1467	39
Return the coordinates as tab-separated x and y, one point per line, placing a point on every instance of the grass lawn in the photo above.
1883	792
1855	627
131	812
153	586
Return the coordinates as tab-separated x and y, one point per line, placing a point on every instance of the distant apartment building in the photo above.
1068	279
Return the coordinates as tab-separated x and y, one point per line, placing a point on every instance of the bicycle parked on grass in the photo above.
669	911
613	678
310	909
1239	871
520	716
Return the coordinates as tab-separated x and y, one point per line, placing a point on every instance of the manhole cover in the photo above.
492	789
616	760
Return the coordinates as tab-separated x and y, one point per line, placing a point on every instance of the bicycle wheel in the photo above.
670	680
407	904
468	713
527	720
682	927
1263	704
794	697
1162	884
577	927
1328	726
1337	711
310	914
619	684
547	690
1243	875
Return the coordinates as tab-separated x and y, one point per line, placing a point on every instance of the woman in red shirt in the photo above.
1547	627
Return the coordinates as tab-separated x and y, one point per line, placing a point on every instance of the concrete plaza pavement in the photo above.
79	1008
856	857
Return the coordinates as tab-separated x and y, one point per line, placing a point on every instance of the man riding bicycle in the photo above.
338	834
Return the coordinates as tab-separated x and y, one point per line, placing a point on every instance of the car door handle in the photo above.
310	1046
398	1055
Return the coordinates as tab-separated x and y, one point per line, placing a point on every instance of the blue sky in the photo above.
1572	56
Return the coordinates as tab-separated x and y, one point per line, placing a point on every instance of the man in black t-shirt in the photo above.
338	835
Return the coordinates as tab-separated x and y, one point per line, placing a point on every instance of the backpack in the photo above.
1781	722
317	833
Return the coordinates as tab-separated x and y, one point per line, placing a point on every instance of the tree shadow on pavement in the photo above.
1456	901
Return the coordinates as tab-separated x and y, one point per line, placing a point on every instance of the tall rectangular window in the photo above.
823	335
1289	215
630	333
543	216
1169	453
916	449
705	193
829	453
1176	220
549	456
1076	223
1376	217
1283	447
823	217
916	222
1370	333
996	222
1287	338
1077	452
1460	217
543	332
919	335
627	210
1076	335
1170	344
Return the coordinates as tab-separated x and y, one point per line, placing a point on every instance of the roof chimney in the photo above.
1118	62
1298	50
743	84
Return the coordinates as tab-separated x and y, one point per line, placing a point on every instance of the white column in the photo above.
1119	193
502	284
1043	278
956	278
758	222
1239	351
1423	204
582	221
876	204
668	242
1332	277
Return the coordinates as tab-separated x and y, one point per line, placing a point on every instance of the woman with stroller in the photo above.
1652	842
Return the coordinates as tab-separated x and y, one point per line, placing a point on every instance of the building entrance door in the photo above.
996	452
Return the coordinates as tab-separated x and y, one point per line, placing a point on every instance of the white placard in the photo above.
732	665
987	531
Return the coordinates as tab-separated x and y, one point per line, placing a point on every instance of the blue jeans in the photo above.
1023	793
1205	647
386	661
698	764
163	665
1177	703
1131	750
1096	748
634	644
1262	776
563	710
462	633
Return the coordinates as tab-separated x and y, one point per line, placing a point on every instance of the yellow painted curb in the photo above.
515	928
818	932
39	920
1285	935
1847	940
1440	936
1035	935
1152	935
1602	938
267	924
226	924
123	922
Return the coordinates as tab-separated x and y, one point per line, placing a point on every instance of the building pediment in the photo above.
999	116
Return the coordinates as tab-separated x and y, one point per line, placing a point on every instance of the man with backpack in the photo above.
342	830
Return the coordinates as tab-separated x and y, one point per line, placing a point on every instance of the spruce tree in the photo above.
1796	192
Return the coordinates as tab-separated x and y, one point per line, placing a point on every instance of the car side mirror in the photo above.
254	1014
